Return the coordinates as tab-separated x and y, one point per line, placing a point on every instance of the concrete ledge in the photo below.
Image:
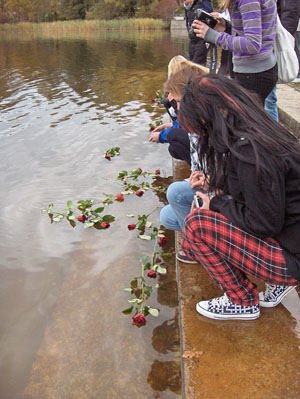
178	25
238	359
288	101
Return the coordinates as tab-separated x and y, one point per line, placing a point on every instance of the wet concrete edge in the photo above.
288	110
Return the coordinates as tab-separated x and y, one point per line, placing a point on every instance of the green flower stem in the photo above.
154	252
143	276
143	290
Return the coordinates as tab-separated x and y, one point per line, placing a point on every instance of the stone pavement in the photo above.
257	359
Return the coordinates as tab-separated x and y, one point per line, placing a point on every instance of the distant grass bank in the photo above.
142	24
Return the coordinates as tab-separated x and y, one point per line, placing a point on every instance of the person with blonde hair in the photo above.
170	132
178	62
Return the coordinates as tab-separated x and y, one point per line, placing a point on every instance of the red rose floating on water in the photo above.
151	274
104	225
162	240
152	128
120	197
82	218
107	156
131	226
139	193
139	320
157	172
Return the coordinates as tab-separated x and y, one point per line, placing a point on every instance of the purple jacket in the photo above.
252	37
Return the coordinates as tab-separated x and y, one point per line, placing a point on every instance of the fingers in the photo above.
205	198
198	181
200	28
154	137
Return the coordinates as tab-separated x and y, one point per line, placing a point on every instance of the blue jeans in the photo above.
271	104
180	196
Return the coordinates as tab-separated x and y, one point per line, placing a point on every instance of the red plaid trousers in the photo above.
229	253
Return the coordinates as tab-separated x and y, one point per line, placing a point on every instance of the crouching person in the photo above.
251	227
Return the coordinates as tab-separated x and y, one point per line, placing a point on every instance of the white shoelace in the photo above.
221	301
268	292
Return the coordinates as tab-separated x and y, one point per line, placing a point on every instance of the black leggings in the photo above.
179	144
261	83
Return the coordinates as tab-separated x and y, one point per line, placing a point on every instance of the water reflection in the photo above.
292	303
63	102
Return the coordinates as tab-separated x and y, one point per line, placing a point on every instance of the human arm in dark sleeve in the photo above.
257	204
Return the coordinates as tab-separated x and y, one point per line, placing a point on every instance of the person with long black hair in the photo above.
252	224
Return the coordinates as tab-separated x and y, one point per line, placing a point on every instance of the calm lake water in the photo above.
64	101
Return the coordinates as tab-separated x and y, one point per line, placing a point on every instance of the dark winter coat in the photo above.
288	11
190	14
268	206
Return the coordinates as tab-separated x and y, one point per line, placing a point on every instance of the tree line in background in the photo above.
12	11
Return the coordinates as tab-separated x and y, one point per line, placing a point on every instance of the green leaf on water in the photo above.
167	254
108	218
147	265
146	311
148	290
88	224
133	283
95	220
69	204
136	301
153	312
161	270
99	210
144	237
128	310
72	223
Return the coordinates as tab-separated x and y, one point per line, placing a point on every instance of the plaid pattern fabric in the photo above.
229	253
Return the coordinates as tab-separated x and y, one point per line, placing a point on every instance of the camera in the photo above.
198	201
204	17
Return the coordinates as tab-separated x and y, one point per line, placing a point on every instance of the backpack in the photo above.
287	60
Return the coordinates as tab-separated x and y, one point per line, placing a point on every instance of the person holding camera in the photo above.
197	46
250	35
251	226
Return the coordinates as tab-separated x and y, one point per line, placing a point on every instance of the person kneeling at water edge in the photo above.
252	225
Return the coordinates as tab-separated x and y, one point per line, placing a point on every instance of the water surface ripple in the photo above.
64	102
